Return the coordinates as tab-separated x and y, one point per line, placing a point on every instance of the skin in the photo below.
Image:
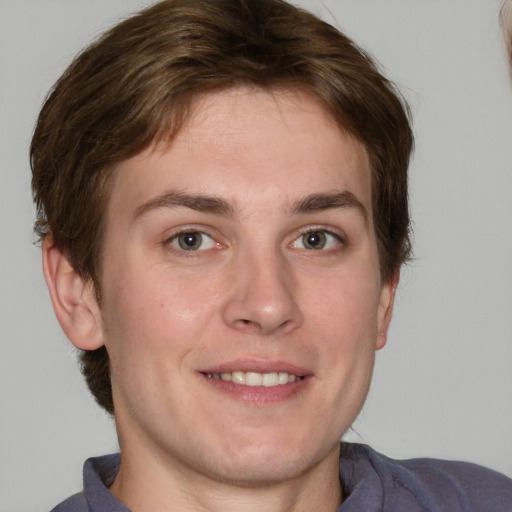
253	295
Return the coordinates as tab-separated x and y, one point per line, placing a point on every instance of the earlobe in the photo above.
385	313
72	297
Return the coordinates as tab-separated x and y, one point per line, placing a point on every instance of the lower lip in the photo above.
259	395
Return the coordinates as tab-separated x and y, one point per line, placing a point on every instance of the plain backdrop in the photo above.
443	384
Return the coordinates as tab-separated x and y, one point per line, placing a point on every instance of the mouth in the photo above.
255	379
258	381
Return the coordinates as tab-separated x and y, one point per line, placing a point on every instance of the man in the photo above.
222	198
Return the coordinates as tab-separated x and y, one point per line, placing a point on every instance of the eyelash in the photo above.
316	230
330	239
190	253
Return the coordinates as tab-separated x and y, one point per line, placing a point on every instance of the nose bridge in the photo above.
263	295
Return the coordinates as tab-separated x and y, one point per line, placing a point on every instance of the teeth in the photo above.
269	379
238	377
255	378
283	378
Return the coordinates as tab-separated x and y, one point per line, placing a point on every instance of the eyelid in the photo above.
169	239
336	234
205	239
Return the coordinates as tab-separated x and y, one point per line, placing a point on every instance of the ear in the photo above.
385	311
73	298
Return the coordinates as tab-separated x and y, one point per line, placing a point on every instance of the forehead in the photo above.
249	145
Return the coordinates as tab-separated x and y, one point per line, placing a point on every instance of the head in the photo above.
137	86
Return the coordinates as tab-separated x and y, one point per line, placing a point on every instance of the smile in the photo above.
255	379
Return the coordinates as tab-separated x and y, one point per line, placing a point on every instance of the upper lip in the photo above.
258	367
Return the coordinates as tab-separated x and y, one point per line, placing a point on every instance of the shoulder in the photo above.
98	475
429	484
76	503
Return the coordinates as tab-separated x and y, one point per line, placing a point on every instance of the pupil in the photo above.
314	240
189	241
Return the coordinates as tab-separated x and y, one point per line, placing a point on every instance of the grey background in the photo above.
443	385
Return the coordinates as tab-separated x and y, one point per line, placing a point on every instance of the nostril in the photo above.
247	325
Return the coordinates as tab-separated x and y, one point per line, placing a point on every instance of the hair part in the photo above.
135	86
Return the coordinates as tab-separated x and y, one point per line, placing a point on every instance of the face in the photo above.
242	300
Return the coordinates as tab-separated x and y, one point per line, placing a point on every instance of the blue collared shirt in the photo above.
371	483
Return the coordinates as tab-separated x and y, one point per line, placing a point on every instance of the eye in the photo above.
317	240
192	241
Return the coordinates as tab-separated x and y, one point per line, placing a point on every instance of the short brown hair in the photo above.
135	85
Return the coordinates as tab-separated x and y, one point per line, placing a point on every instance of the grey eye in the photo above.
315	240
193	241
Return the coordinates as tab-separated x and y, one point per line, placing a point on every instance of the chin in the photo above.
262	464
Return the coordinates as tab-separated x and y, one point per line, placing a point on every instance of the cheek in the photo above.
346	315
150	331
347	305
154	309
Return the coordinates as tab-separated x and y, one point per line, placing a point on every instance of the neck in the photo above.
152	485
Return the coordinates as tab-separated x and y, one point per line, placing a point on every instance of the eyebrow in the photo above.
198	202
321	202
218	206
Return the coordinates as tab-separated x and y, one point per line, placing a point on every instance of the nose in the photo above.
262	297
